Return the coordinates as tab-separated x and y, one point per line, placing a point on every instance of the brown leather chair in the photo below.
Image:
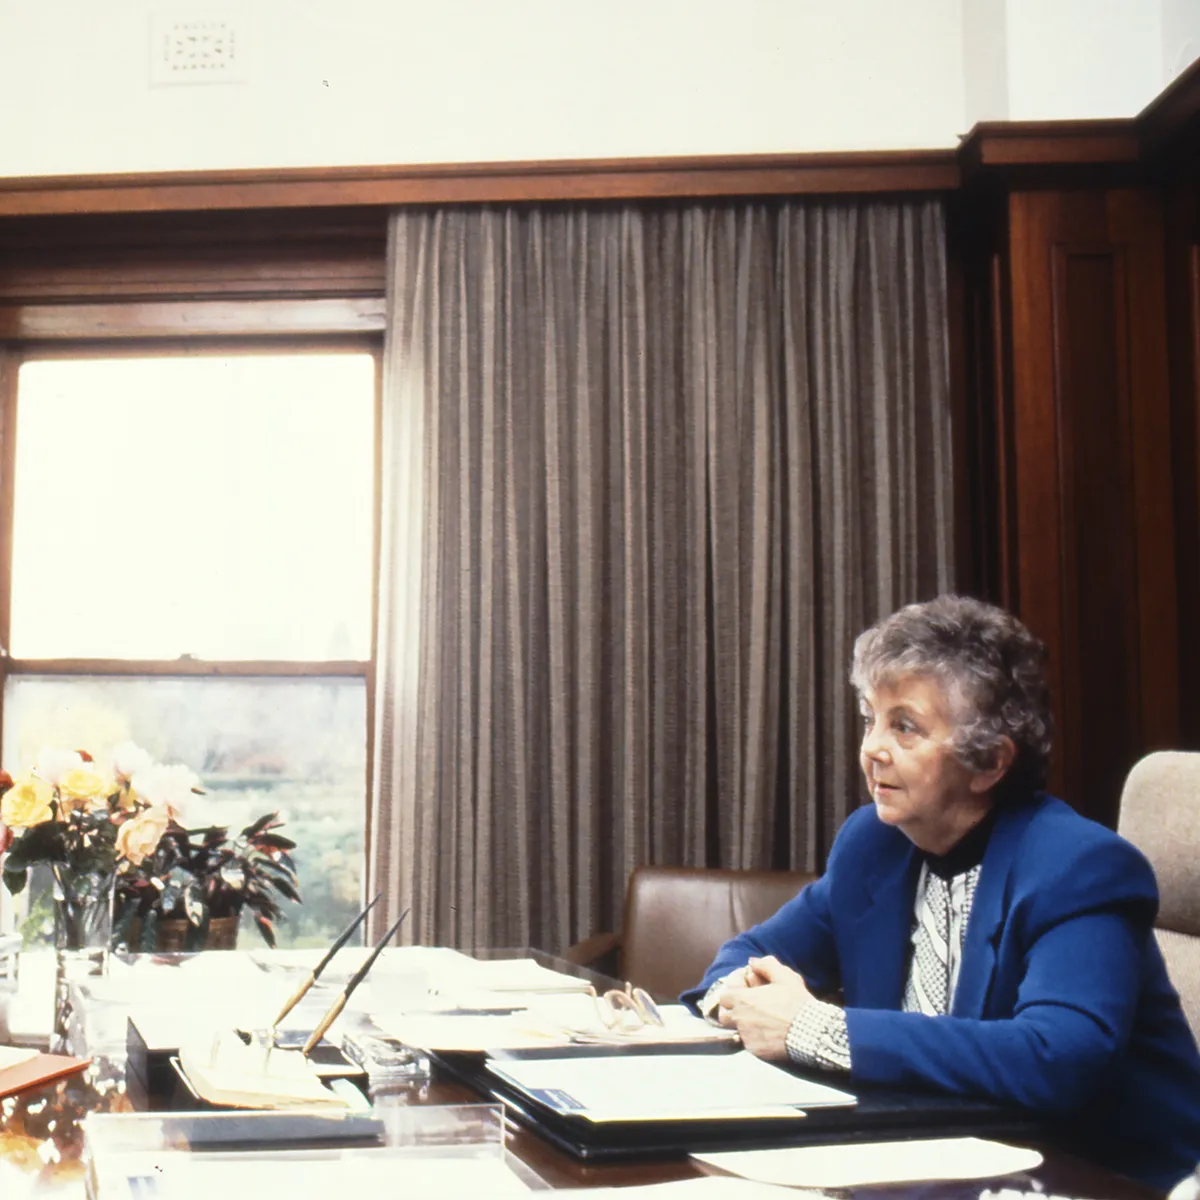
677	917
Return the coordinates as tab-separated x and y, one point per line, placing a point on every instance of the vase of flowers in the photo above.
86	822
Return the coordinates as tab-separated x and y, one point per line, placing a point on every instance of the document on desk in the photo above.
709	1187
517	975
301	1175
676	1087
547	1021
876	1162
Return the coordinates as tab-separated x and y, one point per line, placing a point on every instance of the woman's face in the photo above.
917	782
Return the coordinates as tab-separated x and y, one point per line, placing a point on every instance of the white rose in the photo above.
53	763
128	759
169	786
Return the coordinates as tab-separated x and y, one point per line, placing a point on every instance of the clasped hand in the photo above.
760	1002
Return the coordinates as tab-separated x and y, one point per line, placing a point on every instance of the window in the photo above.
192	564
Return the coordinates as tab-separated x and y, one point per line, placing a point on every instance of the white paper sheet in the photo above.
547	1021
14	1056
876	1162
305	1176
667	1087
518	975
708	1187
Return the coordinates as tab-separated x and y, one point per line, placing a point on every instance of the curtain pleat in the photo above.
647	471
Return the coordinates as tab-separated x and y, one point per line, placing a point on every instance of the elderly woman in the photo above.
987	939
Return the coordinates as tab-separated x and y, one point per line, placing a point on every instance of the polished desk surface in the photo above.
41	1143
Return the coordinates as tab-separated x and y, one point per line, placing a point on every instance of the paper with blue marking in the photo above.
674	1087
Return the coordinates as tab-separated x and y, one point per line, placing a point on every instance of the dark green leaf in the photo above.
149	938
276	841
264	822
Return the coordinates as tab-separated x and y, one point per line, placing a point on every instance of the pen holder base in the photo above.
386	1060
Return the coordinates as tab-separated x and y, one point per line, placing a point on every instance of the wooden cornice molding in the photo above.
476	183
1002	148
1173	115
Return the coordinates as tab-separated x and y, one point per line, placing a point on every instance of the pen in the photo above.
328	1019
314	974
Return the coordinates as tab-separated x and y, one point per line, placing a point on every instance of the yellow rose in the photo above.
138	838
84	786
129	799
27	802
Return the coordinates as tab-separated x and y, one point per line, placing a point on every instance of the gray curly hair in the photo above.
991	668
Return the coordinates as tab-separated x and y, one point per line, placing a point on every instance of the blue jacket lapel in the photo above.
987	913
881	932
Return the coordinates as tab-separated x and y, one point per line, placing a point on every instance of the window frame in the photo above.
78	340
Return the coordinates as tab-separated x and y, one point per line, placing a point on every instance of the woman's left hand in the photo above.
762	1014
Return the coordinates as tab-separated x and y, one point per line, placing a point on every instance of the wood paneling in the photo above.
487	183
1183	331
1097	625
1057	145
1082	500
191	319
258	273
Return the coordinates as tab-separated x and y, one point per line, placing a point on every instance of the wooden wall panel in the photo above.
1095	570
1183	330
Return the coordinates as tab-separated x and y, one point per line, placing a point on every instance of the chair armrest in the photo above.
594	950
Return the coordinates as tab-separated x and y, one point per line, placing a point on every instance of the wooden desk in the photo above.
47	1123
41	1136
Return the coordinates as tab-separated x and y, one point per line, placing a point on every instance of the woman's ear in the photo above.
986	779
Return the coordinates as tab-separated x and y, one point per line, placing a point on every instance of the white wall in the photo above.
1073	59
350	82
1180	36
985	60
409	81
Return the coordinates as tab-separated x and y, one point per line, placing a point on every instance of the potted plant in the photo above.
189	890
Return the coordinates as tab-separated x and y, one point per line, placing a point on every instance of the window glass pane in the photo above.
217	506
258	745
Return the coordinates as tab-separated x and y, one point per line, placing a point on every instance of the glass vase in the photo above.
83	919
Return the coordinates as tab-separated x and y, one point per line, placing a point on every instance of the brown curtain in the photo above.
647	472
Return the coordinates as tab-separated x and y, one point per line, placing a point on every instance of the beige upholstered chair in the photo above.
1160	814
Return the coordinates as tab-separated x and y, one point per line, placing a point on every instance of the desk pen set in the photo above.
283	1068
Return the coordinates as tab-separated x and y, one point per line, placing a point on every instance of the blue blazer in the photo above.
1063	1005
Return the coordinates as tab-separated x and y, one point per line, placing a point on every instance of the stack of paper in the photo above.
676	1087
550	1020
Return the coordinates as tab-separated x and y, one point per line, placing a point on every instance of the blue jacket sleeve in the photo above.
1075	943
800	935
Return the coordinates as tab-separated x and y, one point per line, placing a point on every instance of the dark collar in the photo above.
966	853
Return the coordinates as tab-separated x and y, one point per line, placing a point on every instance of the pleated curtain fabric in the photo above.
647	471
